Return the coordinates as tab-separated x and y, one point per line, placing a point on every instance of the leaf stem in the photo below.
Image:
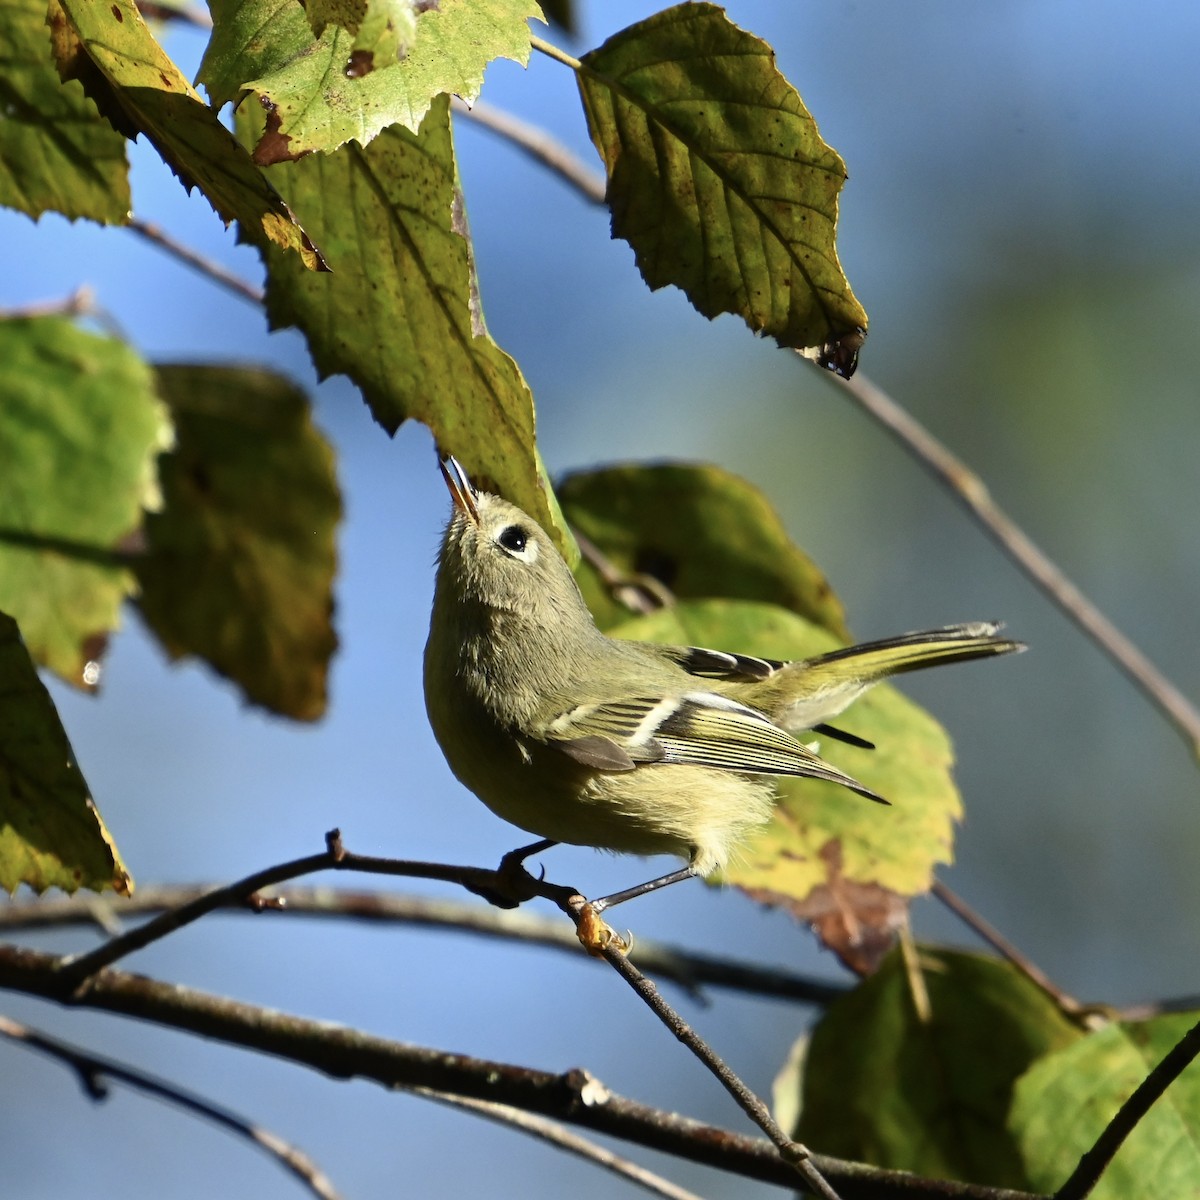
550	50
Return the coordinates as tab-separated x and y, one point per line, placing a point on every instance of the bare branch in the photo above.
973	494
1091	1166
687	969
206	266
538	144
998	942
549	1131
94	1070
340	1052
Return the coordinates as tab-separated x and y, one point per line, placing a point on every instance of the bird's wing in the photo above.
719	664
700	728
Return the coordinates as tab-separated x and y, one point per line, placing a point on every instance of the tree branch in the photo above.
973	494
94	1070
574	1097
1091	1166
205	266
687	969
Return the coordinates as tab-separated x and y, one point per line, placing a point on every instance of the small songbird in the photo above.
638	748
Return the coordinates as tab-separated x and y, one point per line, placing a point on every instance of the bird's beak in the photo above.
460	487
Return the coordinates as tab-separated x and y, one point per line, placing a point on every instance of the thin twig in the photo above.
998	942
687	969
538	144
564	1139
791	1151
1091	1166
973	494
80	303
206	266
93	1070
345	1053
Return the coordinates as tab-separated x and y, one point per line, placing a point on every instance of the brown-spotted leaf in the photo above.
108	47
322	92
57	153
719	180
400	314
51	833
829	856
80	428
699	531
239	563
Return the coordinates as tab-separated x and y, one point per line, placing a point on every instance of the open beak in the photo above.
460	487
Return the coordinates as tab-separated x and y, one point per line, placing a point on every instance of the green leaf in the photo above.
318	97
107	46
51	833
240	562
883	1086
831	857
1065	1100
56	151
699	531
718	178
399	314
80	426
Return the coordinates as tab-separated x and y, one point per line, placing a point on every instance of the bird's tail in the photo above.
821	687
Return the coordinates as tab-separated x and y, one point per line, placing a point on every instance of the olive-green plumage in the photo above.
645	749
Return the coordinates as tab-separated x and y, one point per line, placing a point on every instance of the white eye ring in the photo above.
517	543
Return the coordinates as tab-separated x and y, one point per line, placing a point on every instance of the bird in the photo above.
626	746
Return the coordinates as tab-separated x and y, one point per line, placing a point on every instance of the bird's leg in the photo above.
513	883
596	935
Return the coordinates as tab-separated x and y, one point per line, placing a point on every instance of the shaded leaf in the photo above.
51	833
1065	1100
239	564
318	97
107	46
718	178
882	1086
399	314
80	426
699	531
833	858
56	151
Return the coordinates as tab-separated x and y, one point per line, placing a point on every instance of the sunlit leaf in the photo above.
718	178
831	857
239	564
56	152
318	94
51	833
107	46
400	312
697	530
1064	1102
80	427
886	1086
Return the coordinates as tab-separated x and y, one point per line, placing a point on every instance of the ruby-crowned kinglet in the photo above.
626	746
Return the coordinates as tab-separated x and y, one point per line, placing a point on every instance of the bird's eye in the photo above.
513	539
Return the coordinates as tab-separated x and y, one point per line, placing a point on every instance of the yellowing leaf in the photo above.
719	181
1065	1100
833	858
400	314
316	92
239	563
80	426
883	1085
106	44
51	834
697	530
56	151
